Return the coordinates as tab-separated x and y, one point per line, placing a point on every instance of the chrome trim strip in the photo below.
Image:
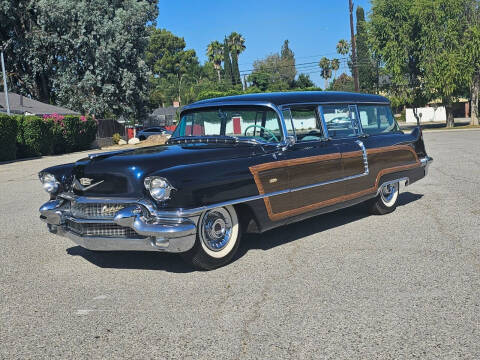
335	102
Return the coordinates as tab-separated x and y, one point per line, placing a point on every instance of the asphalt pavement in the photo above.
345	285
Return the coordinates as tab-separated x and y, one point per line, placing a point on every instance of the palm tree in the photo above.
215	55
343	47
326	67
236	42
335	66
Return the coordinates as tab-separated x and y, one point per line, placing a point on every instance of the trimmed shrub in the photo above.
34	137
8	135
71	133
116	138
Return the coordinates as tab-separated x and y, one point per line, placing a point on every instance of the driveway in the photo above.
343	286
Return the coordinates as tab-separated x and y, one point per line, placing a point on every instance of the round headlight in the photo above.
50	183
158	187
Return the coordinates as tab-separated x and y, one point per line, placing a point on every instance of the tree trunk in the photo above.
474	97
219	77
449	111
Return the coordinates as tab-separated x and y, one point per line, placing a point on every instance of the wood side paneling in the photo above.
381	161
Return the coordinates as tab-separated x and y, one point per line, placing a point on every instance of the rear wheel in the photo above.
218	237
386	201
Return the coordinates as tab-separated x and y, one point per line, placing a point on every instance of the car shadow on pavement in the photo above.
270	239
317	224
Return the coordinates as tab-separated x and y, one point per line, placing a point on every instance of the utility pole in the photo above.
354	50
5	89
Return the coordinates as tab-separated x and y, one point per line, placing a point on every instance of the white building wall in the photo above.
429	114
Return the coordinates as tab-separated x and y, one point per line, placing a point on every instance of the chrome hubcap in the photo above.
388	192
216	229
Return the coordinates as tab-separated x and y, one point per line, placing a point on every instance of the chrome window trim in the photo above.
267	104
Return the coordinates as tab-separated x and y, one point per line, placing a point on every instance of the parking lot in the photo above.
344	285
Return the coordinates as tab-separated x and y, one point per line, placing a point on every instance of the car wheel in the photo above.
218	237
386	201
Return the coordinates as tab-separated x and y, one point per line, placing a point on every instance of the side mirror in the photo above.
288	142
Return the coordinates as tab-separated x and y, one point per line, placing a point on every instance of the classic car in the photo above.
156	130
235	165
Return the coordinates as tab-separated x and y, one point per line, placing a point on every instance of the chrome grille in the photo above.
101	230
96	210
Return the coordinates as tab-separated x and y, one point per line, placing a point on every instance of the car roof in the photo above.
299	97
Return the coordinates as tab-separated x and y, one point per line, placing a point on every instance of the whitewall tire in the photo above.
218	237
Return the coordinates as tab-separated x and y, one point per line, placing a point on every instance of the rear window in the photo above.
377	119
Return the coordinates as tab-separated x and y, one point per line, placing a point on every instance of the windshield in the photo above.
249	123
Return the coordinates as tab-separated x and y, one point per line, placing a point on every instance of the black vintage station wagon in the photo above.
233	165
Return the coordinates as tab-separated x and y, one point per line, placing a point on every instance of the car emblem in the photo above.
86	181
85	184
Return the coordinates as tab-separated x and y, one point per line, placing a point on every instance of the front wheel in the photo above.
386	201
218	237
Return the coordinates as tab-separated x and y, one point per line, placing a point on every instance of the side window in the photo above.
307	127
377	119
339	120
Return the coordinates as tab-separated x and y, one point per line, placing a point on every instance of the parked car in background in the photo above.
156	130
237	164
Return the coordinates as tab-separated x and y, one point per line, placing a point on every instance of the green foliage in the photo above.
227	64
276	72
343	83
365	62
215	56
236	44
116	138
287	58
304	82
85	55
343	47
326	70
34	137
8	134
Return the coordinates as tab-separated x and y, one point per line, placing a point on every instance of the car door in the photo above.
385	146
311	168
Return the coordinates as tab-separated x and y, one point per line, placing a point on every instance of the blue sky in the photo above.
313	27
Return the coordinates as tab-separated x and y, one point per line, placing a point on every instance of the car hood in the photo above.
122	173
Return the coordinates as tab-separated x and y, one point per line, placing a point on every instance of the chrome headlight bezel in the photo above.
158	187
49	182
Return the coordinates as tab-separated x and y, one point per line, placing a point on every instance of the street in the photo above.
345	285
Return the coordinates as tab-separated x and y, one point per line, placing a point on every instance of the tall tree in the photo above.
343	47
326	68
227	63
304	82
170	64
288	63
236	42
471	53
81	54
353	42
215	56
394	29
268	74
335	66
365	63
442	26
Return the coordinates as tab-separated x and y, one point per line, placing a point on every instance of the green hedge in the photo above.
8	134
28	136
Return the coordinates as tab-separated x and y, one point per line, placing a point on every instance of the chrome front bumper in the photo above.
140	228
